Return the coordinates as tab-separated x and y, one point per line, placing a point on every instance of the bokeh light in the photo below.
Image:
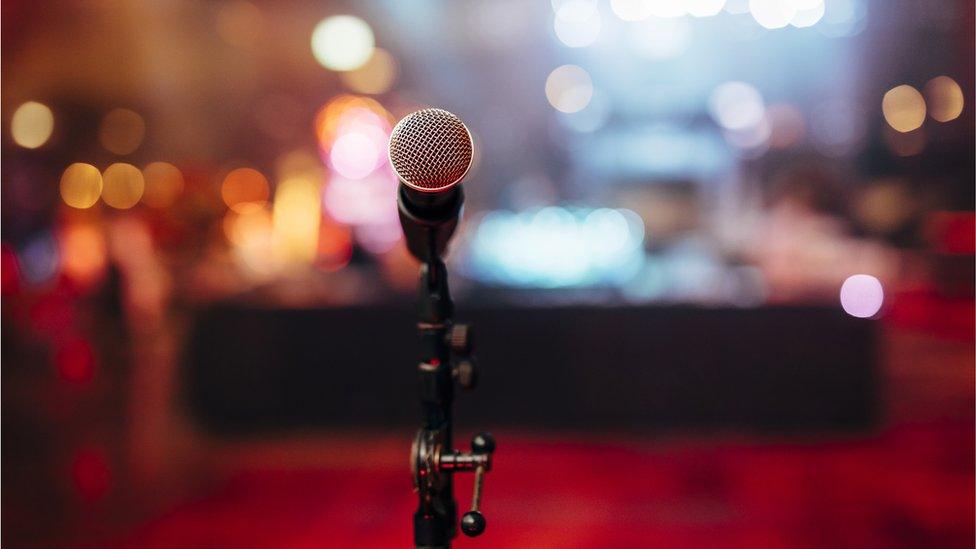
945	98
353	133
704	8
250	231
351	113
243	186
750	141
164	183
40	260
295	223
584	246
238	225
122	131
736	106
631	10
122	186
660	38
904	108
239	23
81	185
83	252
569	88
808	13
369	201
355	155
861	296
577	23
772	14
342	42
374	77
667	8
32	125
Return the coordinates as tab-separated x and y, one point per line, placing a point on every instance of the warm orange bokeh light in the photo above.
347	109
123	186
164	183
81	185
244	186
122	131
945	98
83	252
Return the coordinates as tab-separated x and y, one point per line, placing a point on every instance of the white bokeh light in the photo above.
630	10
736	106
772	14
808	16
342	42
667	8
861	295
354	155
659	38
704	8
368	201
569	88
577	23
751	141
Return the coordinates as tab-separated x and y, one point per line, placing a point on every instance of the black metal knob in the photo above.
473	523
483	443
466	373
461	338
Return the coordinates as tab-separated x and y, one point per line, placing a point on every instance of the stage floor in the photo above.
910	485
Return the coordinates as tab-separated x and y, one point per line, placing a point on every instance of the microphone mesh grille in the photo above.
430	150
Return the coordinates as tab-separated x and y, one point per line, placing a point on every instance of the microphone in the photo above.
430	151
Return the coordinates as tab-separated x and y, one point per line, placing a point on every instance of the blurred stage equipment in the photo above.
431	151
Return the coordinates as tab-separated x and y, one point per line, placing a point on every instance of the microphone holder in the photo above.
446	359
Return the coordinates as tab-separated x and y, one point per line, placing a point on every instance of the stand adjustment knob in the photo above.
473	524
461	338
483	443
466	373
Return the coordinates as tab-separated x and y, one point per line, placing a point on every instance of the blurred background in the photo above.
720	255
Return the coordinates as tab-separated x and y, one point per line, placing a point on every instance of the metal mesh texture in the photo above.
430	150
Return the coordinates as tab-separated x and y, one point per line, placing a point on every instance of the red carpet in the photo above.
911	486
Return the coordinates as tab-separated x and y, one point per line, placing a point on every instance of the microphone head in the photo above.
430	150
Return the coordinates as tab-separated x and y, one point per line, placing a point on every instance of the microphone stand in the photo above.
445	358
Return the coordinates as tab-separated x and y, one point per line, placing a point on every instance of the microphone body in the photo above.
430	151
429	220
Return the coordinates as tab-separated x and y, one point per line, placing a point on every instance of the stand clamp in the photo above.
429	460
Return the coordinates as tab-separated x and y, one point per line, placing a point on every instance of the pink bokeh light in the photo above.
861	295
